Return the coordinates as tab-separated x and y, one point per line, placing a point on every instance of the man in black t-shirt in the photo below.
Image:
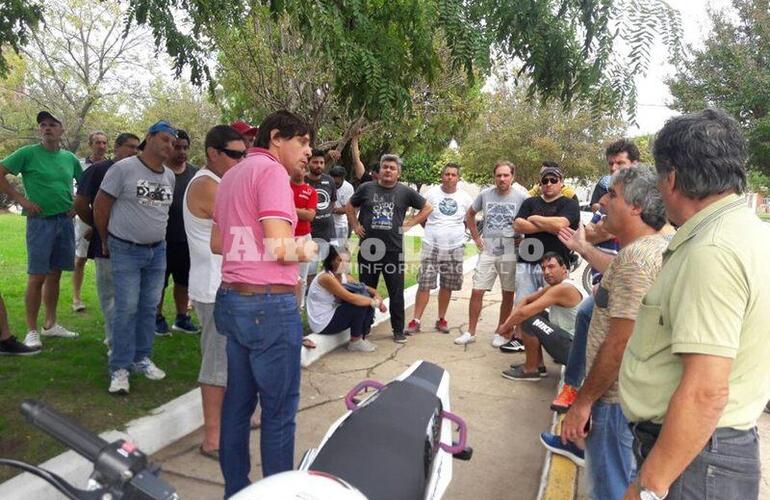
177	250
381	226
539	219
126	145
322	226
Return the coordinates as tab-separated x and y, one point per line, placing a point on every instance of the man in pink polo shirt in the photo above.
256	309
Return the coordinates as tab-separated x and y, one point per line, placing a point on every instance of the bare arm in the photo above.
603	373
358	166
524	226
335	288
102	210
350	210
595	233
305	214
82	206
340	210
10	191
549	224
691	418
216	240
283	246
201	197
563	295
419	217
575	240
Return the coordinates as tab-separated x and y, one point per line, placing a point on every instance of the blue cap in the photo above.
162	126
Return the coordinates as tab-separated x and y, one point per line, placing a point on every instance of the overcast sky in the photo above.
653	92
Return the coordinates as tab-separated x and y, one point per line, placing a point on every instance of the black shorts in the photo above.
556	341
177	263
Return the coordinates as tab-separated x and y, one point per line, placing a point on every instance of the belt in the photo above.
250	289
645	427
146	245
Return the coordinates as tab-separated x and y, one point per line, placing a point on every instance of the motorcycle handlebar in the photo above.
61	427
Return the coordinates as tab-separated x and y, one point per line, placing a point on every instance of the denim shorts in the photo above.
50	244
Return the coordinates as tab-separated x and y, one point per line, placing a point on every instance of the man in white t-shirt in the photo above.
442	247
344	192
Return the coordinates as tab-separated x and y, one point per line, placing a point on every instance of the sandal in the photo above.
306	342
212	454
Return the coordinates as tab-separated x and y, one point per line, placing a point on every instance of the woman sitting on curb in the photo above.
335	302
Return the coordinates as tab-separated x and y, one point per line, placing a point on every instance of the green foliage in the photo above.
513	128
17	19
644	143
732	72
420	169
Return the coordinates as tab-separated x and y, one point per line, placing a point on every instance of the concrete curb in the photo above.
560	474
163	426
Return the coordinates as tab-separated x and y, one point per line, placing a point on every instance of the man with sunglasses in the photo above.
224	148
177	250
540	219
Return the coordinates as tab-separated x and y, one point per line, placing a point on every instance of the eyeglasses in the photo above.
549	180
233	153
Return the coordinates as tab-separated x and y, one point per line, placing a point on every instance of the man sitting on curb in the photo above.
552	330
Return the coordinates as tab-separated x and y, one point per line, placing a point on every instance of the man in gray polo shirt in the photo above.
131	214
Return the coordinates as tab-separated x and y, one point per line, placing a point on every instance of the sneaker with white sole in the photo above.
513	345
78	306
148	368
119	382
412	327
553	443
465	338
58	331
498	340
33	340
361	346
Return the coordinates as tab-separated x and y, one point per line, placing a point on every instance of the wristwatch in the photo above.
648	494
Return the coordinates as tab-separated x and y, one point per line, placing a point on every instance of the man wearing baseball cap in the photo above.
248	131
47	171
131	215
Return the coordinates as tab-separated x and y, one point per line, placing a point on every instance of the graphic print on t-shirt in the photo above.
382	212
447	206
153	194
323	200
499	217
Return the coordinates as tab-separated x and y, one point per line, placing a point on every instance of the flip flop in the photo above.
212	454
308	343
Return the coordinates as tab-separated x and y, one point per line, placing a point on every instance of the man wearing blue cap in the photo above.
131	214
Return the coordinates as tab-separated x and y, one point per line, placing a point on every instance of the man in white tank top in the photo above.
552	330
225	147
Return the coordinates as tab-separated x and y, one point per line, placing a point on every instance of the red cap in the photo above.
244	128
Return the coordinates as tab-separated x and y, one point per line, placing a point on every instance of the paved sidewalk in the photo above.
504	417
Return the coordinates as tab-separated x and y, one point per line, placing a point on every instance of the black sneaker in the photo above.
399	338
513	345
540	369
12	347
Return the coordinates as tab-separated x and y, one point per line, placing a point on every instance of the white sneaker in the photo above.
58	331
498	340
465	338
148	368
33	339
361	346
119	382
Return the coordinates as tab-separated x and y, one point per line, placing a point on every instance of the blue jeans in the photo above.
357	318
575	369
50	244
264	339
137	273
610	464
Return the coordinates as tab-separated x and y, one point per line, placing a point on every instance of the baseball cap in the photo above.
47	114
338	171
552	171
161	126
244	128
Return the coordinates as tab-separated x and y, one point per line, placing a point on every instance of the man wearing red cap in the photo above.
248	131
47	171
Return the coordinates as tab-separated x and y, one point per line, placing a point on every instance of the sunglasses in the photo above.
549	180
234	154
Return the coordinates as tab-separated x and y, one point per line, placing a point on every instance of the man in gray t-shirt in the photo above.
497	253
131	214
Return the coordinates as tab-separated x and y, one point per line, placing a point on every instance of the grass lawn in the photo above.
765	217
71	375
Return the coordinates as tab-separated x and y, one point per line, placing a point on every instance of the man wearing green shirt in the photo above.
47	172
695	375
